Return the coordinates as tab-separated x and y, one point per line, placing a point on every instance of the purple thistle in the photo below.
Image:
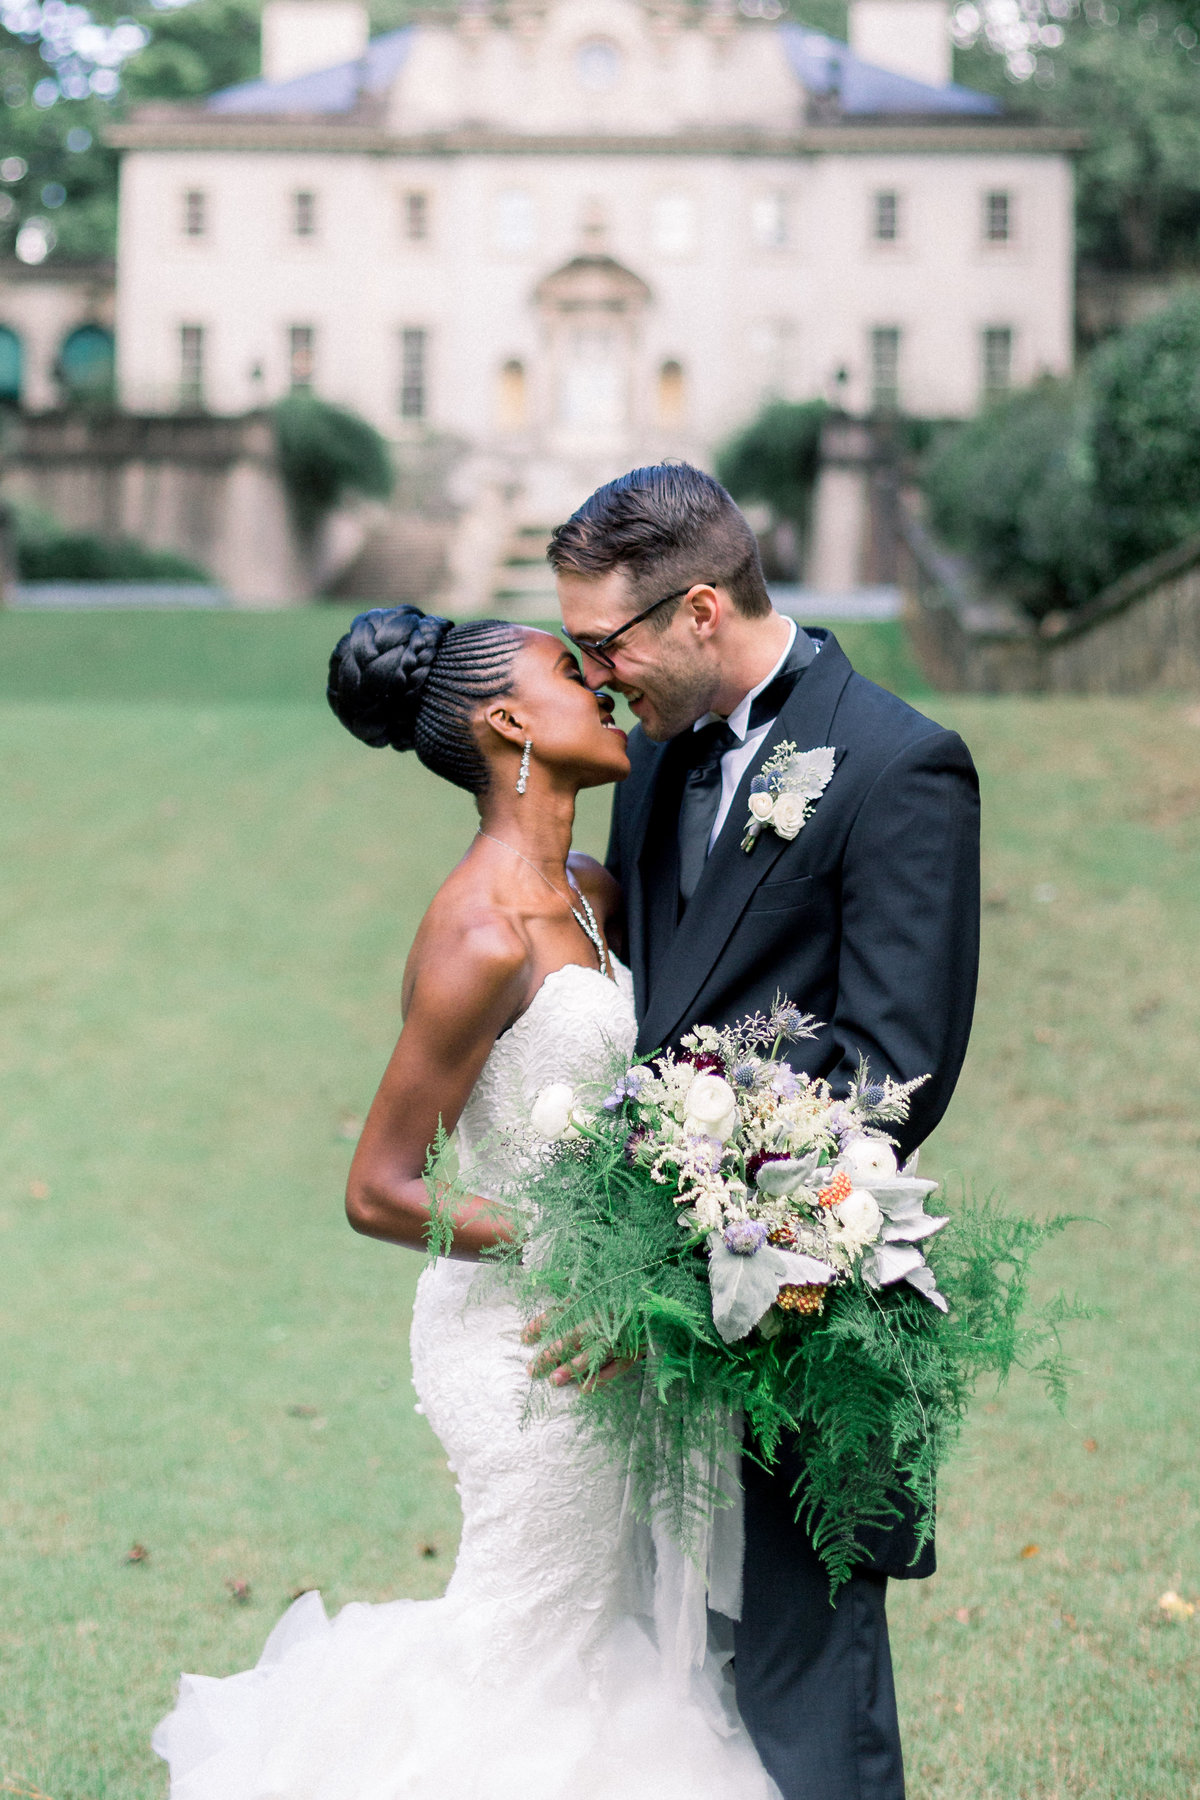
744	1236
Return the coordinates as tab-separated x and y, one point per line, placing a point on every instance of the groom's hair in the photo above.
667	526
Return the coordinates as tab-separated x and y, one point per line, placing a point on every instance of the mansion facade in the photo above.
572	235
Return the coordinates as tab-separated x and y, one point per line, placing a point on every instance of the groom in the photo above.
867	918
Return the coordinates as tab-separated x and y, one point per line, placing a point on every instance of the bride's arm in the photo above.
467	987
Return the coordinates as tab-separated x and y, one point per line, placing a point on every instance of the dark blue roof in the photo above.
334	90
825	66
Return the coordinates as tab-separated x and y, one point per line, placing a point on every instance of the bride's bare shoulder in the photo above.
465	951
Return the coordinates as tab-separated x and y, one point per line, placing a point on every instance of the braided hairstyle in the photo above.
411	680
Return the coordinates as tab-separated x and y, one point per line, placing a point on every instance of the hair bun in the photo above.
377	672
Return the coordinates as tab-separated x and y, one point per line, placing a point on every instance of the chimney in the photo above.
301	36
910	37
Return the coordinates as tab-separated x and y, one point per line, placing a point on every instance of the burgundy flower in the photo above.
755	1162
705	1062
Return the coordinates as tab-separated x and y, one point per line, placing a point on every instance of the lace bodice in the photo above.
577	1024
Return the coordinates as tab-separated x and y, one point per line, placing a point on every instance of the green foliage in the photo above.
48	552
1145	438
1013	490
195	49
875	1389
326	452
1129	78
774	459
1062	487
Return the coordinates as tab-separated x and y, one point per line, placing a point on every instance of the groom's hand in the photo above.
561	1361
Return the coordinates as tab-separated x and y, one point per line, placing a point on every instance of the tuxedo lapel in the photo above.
658	866
678	967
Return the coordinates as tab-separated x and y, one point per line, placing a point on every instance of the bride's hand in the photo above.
561	1361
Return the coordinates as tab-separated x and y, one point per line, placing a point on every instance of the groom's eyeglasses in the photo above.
597	648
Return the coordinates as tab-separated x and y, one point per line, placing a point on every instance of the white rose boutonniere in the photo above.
785	790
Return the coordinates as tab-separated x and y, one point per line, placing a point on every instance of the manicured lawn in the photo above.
206	895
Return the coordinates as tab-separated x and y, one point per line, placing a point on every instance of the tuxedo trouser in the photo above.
814	1681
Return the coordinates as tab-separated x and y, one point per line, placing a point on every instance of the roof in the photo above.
336	90
825	67
830	69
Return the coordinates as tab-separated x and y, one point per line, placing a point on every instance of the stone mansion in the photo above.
575	234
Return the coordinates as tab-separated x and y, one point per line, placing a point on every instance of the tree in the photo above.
1128	77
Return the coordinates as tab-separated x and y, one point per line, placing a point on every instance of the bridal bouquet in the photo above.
750	1245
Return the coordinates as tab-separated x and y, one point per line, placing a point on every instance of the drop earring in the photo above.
523	777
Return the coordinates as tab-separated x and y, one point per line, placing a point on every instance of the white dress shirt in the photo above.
735	762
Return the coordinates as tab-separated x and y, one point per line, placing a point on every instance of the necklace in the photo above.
587	924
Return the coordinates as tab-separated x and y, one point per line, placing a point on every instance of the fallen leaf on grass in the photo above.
1090	1445
139	1554
239	1590
1029	1550
963	1615
1175	1608
427	1550
302	1412
11	1786
39	1190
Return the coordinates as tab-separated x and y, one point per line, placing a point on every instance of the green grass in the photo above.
205	906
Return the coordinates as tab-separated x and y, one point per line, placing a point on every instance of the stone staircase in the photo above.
523	581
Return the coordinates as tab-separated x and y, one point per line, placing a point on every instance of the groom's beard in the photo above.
675	694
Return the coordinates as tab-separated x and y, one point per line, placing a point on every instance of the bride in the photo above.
566	1660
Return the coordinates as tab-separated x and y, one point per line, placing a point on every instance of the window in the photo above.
304	214
416	217
672	394
885	368
514	221
302	356
673	225
997	217
885	223
195	213
413	373
598	66
997	359
510	397
768	221
191	365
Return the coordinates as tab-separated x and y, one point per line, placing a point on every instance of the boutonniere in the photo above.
785	790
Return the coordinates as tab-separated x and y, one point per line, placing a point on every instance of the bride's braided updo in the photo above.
411	680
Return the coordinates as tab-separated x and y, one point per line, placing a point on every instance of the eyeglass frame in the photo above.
598	649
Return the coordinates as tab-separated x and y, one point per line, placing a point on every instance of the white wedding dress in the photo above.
567	1659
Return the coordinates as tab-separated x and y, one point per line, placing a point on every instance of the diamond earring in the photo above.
523	777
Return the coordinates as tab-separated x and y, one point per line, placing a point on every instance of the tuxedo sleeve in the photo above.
909	957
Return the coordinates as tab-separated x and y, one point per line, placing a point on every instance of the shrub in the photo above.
1145	433
325	453
1013	490
775	458
47	552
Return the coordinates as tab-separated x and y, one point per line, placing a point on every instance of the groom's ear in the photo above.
505	723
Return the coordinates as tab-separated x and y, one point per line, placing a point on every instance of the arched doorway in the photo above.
591	308
85	363
11	367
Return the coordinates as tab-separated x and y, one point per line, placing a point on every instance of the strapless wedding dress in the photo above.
566	1659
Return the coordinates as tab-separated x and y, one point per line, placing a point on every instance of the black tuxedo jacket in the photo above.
868	918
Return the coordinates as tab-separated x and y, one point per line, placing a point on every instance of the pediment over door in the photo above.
593	284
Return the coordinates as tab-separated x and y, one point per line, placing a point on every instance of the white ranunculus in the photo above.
710	1108
859	1217
761	805
788	815
866	1159
550	1114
